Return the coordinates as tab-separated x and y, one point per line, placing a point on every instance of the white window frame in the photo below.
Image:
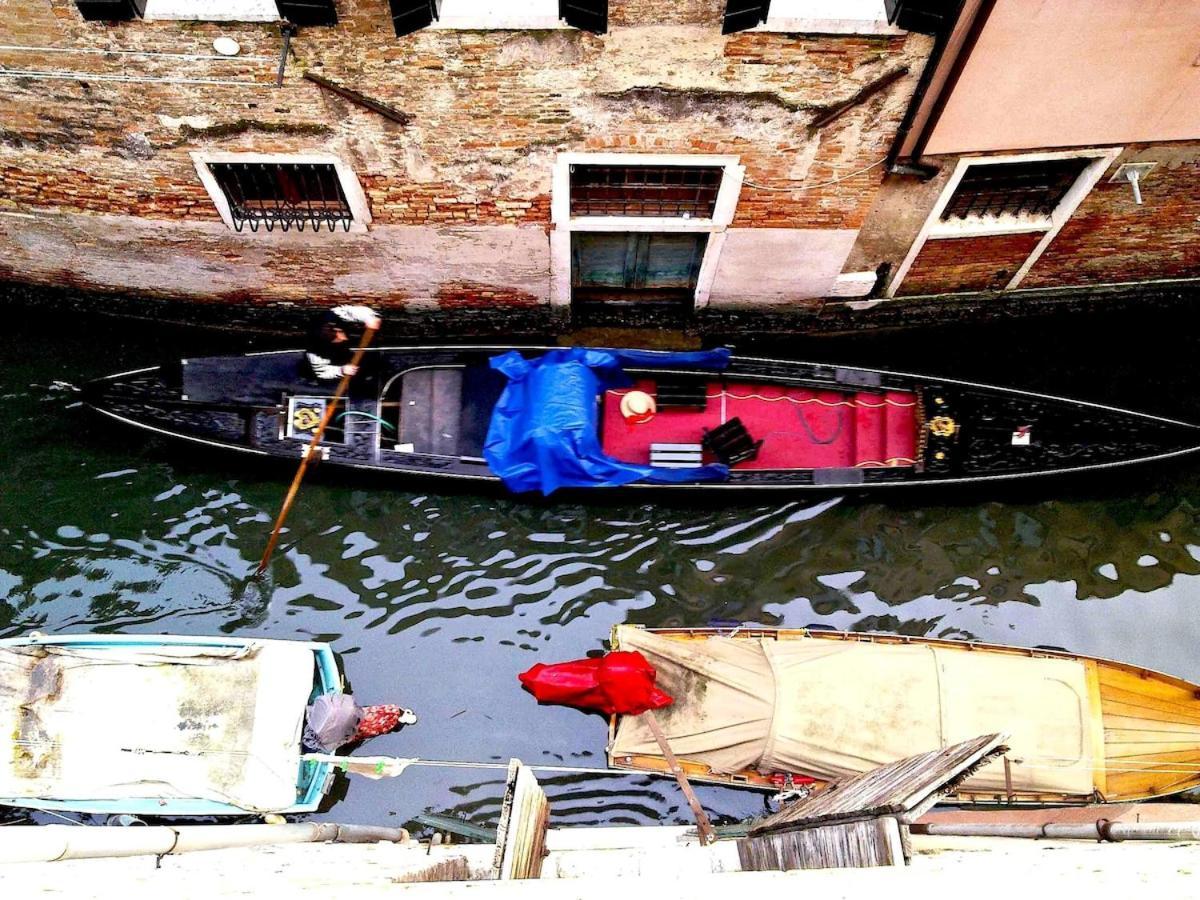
499	21
359	209
985	226
824	19
210	11
564	224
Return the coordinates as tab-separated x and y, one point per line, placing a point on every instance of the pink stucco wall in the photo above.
1071	73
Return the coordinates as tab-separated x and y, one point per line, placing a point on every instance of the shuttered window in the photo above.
1033	188
308	12
665	191
412	15
110	10
586	15
743	14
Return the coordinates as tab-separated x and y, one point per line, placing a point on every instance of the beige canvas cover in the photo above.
831	709
210	723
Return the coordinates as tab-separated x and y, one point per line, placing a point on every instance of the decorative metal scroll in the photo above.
283	195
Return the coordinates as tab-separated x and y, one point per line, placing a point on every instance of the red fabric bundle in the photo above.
620	683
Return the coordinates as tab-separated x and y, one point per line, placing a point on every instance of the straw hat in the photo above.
638	406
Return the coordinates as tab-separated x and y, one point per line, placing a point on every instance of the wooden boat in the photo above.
161	726
776	424
778	707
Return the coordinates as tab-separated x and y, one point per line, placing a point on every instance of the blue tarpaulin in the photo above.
544	433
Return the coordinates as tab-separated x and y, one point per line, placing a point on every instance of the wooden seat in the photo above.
677	456
430	410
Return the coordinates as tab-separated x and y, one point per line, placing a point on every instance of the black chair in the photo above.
731	443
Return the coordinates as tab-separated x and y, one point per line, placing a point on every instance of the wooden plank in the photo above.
906	787
1096	704
1125	749
1114	707
1150	726
866	843
1152	685
521	835
1110	694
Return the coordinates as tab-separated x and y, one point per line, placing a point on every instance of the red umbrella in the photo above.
621	682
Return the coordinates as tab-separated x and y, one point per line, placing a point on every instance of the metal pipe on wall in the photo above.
1100	830
52	843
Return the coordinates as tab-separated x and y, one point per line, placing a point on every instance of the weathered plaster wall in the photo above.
411	265
784	265
489	111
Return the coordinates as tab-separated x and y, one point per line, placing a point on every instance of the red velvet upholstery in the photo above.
800	428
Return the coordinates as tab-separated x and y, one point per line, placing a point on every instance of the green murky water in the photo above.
438	601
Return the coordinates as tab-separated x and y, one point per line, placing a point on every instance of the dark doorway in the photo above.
636	269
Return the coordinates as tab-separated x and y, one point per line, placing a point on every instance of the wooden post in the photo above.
703	825
310	451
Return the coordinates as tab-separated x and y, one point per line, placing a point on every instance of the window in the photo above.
212	10
109	10
1028	195
254	192
811	16
1018	189
411	15
498	14
685	191
299	12
639	228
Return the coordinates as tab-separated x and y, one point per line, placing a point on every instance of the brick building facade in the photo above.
514	162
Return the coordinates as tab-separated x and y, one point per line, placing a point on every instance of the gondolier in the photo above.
329	348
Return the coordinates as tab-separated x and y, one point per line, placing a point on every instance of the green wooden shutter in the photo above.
636	267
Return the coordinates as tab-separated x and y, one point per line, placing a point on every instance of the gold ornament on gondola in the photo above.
943	426
305	419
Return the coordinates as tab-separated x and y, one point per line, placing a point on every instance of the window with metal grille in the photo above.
283	194
667	191
1013	189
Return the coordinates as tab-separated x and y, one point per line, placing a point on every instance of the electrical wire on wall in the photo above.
55	74
809	187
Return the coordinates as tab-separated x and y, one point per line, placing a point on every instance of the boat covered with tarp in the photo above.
161	726
776	707
539	419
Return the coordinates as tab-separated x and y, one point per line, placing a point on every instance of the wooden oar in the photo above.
311	450
703	825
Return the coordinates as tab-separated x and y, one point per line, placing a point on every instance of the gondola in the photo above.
804	708
161	725
540	419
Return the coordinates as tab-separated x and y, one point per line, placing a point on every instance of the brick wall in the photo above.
489	112
949	265
1108	239
1112	239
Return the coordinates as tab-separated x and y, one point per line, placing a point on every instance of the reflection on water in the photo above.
438	601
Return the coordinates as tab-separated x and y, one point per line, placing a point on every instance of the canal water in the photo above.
437	601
